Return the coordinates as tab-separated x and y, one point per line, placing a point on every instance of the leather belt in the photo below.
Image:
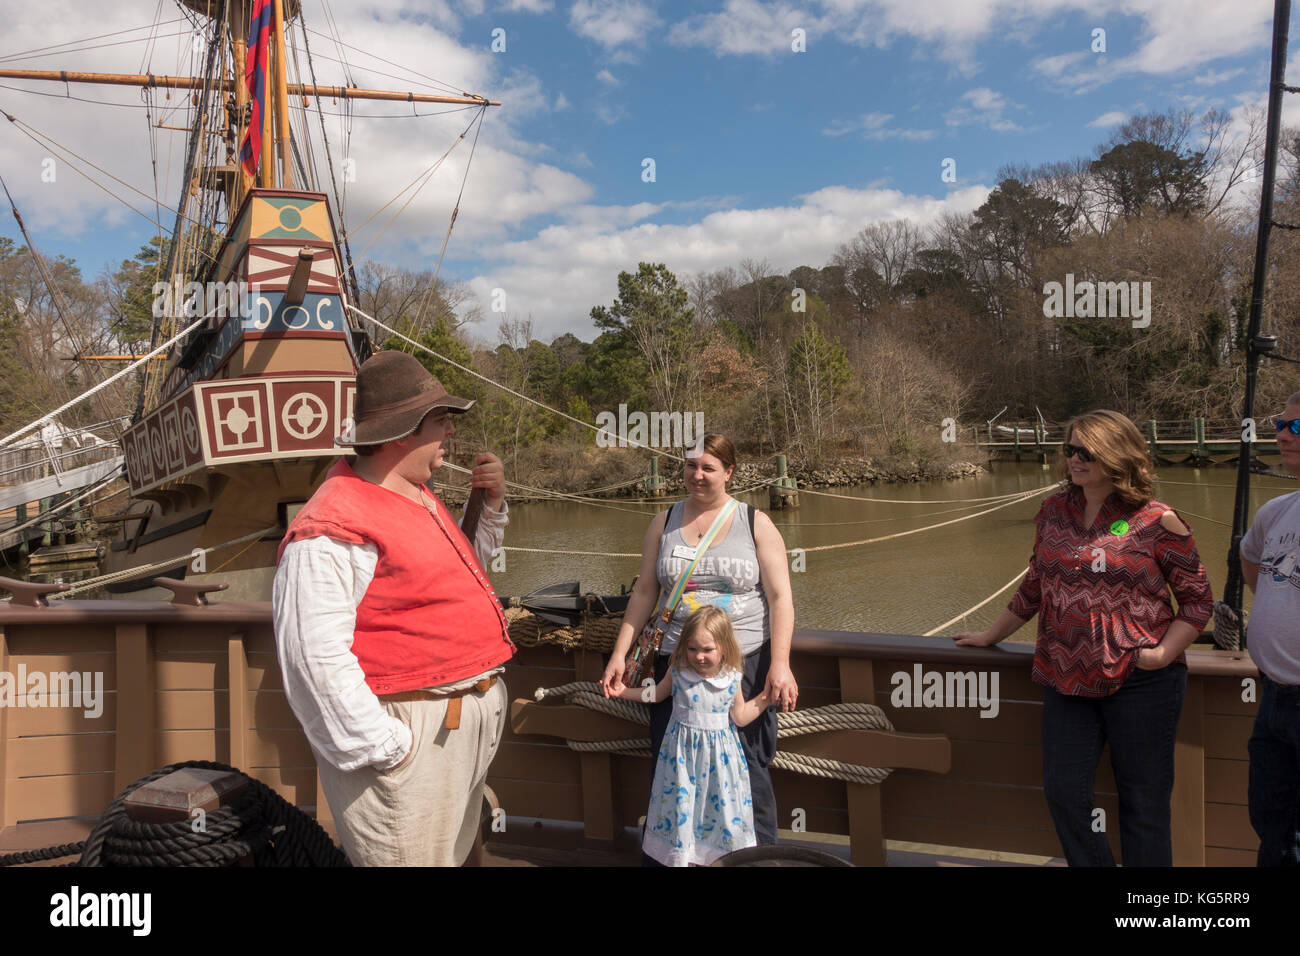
452	720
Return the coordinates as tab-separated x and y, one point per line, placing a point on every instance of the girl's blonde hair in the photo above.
1117	445
717	624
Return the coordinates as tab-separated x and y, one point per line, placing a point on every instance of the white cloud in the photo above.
608	78
508	184
1113	118
558	275
528	6
875	126
1173	34
561	103
1215	77
613	23
746	26
987	108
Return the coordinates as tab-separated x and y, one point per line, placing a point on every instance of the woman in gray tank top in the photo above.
744	572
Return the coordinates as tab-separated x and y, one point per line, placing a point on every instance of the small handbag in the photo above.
639	664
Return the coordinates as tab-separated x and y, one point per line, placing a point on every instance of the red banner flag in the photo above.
259	36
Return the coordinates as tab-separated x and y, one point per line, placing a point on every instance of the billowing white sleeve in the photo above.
491	531
318	586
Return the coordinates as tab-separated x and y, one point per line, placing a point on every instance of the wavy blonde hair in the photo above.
1117	445
717	624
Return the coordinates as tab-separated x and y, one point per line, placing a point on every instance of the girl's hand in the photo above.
611	682
974	639
1152	658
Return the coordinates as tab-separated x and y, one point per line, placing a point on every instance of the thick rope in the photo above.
259	823
1227	627
816	720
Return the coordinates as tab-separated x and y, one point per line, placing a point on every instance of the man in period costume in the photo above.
390	637
1270	560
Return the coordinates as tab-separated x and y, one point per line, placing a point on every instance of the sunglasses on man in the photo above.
1069	451
1292	425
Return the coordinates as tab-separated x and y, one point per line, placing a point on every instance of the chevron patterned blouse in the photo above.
1102	593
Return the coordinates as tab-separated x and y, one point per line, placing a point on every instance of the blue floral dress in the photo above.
700	804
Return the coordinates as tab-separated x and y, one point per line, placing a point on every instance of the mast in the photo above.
1256	345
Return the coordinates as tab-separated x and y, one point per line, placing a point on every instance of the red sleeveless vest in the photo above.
430	615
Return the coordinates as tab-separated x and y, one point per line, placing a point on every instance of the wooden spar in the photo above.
227	85
239	48
282	96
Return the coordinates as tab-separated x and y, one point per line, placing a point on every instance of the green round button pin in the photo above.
1119	527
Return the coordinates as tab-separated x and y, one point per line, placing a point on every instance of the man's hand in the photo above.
490	475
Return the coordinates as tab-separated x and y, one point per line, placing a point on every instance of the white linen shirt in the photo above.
318	587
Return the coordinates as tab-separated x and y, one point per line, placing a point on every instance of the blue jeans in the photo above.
1275	774
1140	722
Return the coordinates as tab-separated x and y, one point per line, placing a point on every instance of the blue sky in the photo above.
759	151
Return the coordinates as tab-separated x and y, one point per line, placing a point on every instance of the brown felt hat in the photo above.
394	393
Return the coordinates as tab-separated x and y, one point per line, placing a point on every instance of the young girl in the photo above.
700	806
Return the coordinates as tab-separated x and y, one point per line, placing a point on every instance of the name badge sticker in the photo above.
681	551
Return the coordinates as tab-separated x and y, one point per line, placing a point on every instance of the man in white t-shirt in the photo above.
1270	561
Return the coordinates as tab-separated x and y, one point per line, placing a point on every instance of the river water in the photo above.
906	585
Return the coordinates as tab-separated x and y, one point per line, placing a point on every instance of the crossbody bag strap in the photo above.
675	595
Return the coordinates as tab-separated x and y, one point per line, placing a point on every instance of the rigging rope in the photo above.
971	610
824	547
45	516
6	440
144	570
504	388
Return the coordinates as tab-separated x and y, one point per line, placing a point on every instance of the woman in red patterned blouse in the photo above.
1110	646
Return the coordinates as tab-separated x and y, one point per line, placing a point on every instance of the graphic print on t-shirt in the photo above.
1282	562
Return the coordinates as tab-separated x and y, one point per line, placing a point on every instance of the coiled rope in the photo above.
799	723
258	823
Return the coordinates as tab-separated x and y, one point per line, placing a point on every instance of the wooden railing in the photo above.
185	683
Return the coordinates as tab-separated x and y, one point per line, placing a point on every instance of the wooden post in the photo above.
1153	438
601	813
1187	805
282	97
866	818
135	739
20	514
5	820
186	795
237	666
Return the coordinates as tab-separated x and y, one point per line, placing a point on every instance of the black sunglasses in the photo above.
1069	451
1293	426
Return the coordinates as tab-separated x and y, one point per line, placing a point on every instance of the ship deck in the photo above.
560	844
